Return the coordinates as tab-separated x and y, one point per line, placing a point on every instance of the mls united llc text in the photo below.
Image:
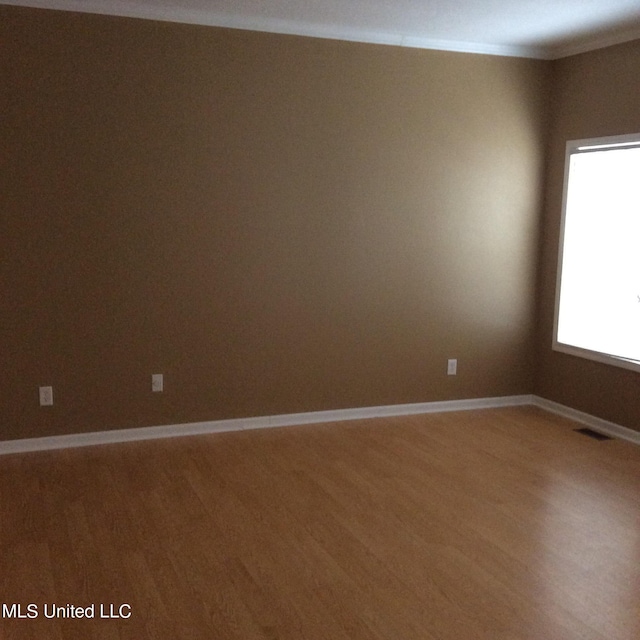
32	611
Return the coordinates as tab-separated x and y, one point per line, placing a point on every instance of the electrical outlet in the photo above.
46	396
157	382
452	367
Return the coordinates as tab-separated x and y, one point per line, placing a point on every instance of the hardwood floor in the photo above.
492	524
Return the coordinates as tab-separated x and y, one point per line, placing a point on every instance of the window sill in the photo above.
615	361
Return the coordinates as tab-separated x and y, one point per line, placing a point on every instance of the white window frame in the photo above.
572	147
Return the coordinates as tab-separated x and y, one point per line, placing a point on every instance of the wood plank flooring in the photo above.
477	525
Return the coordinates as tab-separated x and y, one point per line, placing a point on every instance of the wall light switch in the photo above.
157	382
46	396
452	367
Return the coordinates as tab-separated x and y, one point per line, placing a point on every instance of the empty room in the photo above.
320	320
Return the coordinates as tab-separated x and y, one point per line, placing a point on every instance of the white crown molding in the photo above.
604	426
513	51
217	426
593	44
266	25
164	13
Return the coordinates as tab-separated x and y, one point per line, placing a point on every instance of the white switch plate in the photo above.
452	367
157	382
46	396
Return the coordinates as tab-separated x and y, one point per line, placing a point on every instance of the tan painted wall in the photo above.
277	224
595	94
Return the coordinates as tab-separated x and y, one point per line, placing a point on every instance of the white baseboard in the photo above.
604	426
217	426
314	417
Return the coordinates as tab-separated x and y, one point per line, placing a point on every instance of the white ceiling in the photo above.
528	28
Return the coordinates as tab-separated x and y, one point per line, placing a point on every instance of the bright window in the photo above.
598	290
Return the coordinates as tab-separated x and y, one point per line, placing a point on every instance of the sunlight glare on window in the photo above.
599	303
